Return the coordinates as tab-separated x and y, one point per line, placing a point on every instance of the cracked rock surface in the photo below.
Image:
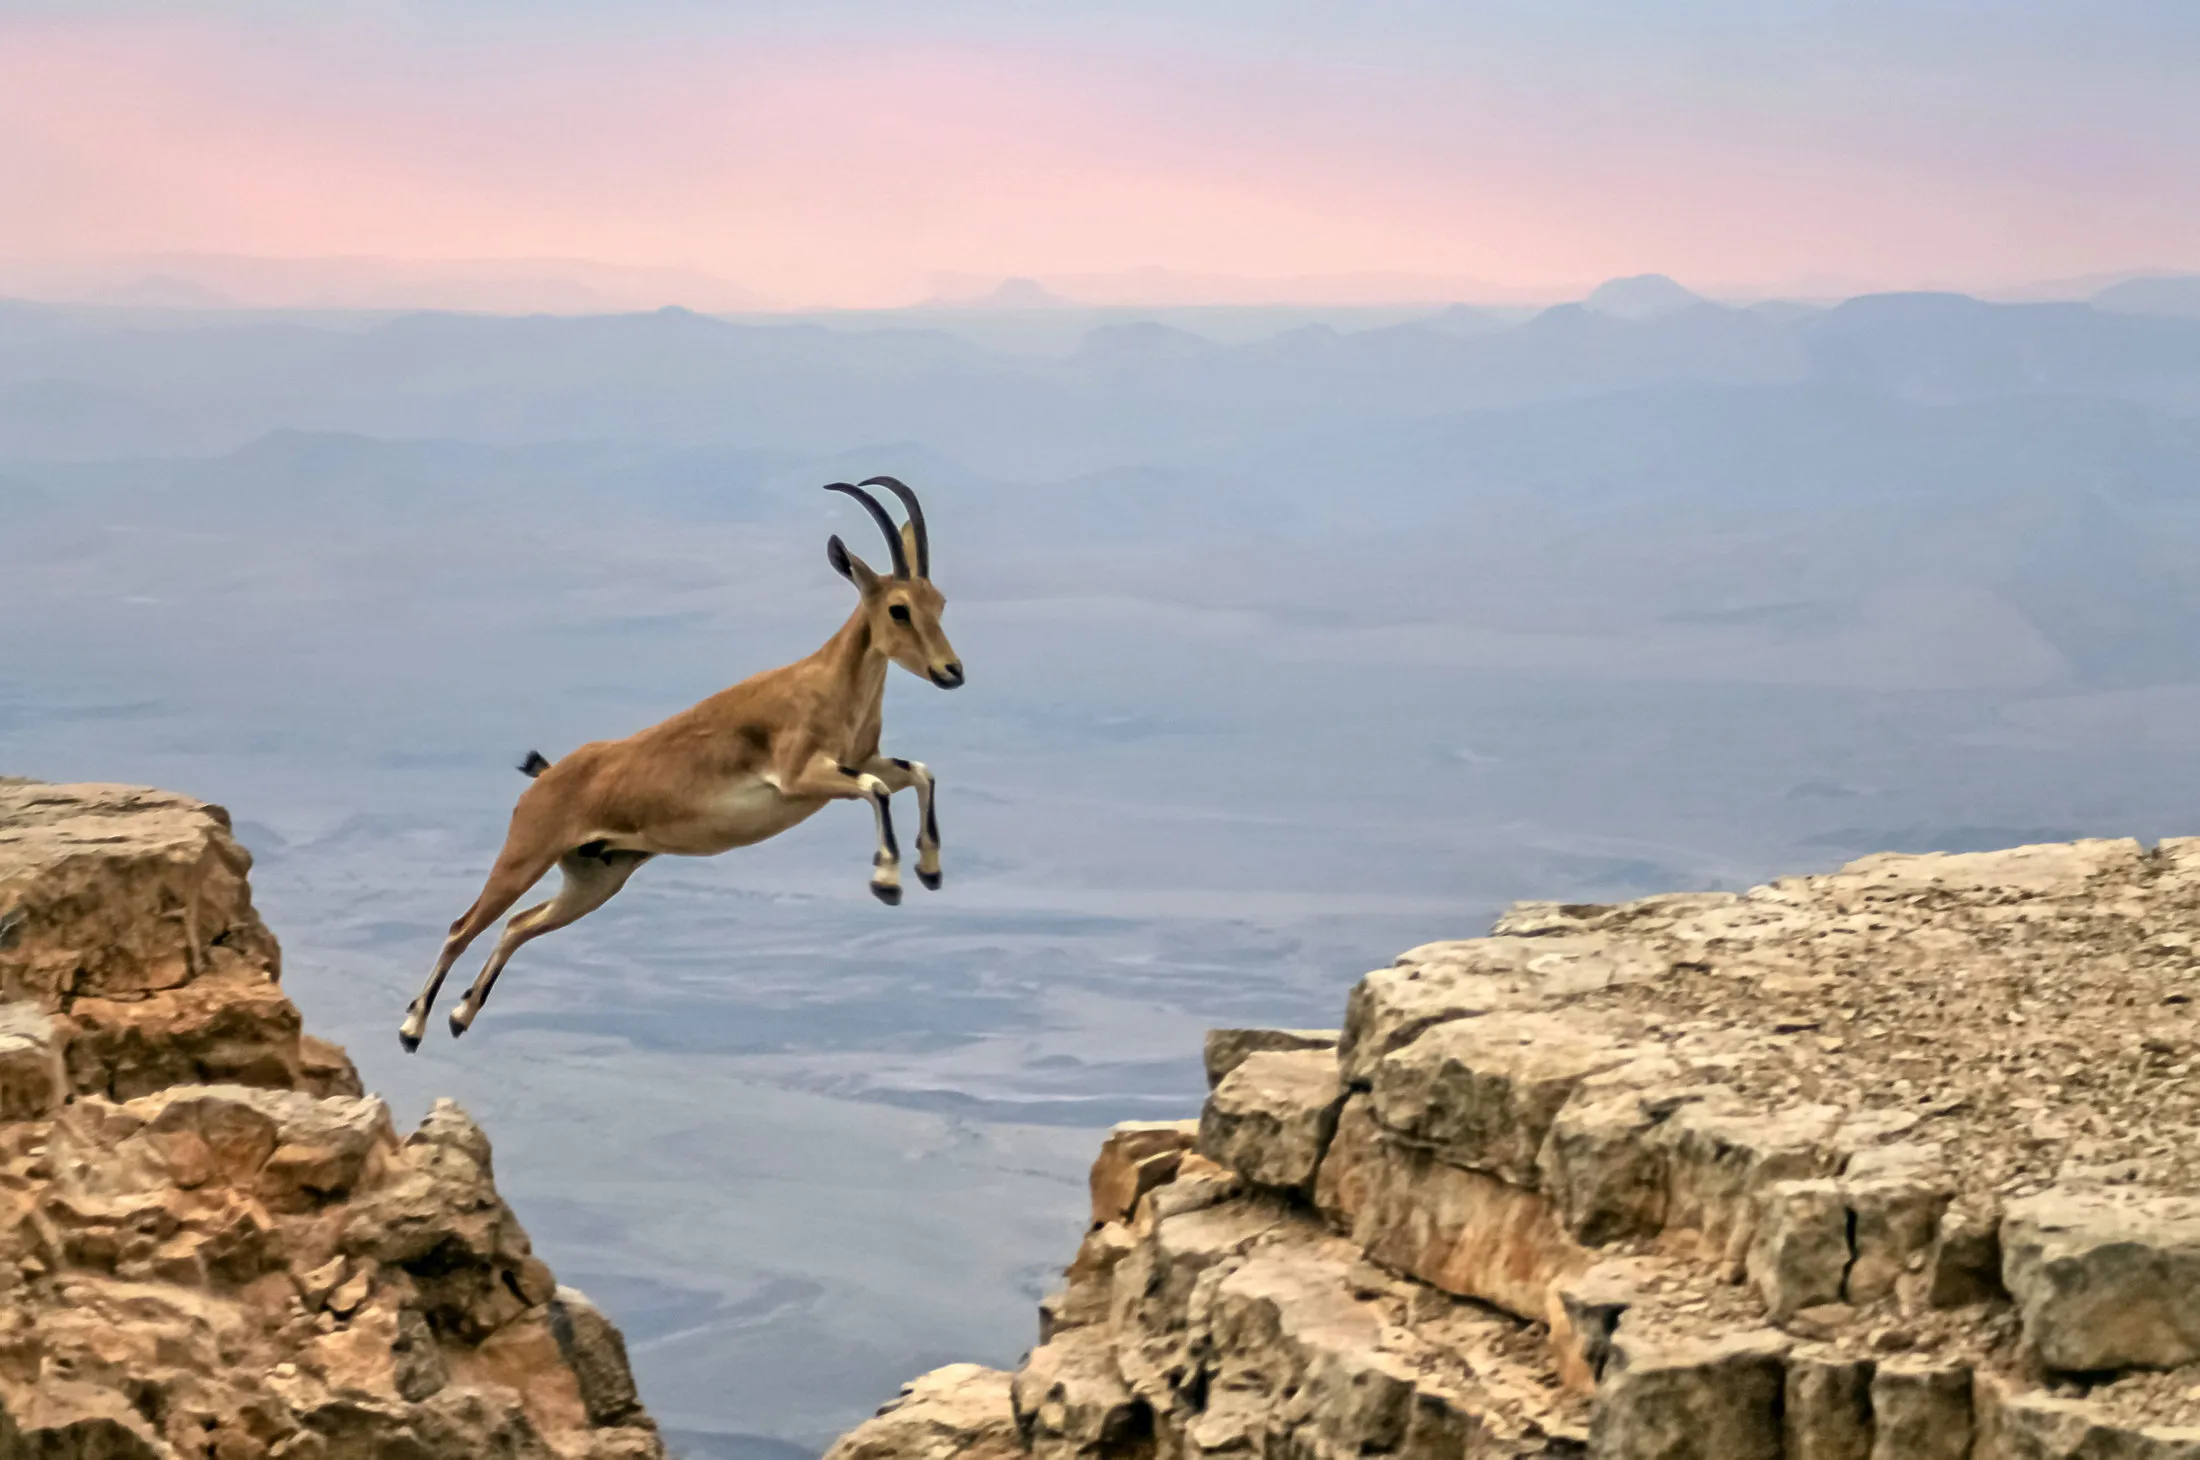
1892	1163
212	1245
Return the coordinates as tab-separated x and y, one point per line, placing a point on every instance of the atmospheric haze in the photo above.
1287	651
1343	532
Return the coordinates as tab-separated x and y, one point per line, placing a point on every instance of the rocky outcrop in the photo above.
212	1245
1895	1163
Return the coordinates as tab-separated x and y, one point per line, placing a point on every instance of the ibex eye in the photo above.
899	613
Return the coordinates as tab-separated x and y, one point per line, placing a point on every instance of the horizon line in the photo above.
593	287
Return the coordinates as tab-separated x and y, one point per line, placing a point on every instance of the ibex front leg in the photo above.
898	774
825	777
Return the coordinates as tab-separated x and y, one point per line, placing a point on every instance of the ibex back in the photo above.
744	765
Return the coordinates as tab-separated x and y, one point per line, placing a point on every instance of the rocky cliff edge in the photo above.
212	1245
1896	1163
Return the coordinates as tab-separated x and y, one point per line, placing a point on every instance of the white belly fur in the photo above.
744	811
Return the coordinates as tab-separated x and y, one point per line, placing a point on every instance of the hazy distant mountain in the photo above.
1145	342
1015	293
1644	296
1153	286
2177	294
1464	319
165	291
1951	345
674	376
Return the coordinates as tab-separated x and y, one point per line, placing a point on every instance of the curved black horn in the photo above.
916	520
885	524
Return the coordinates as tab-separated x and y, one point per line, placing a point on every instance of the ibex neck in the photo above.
858	665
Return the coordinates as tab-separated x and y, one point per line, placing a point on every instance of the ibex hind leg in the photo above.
593	876
508	881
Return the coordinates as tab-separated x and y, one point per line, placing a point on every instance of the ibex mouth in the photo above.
949	678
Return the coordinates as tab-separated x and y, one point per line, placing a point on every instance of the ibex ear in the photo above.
848	565
909	543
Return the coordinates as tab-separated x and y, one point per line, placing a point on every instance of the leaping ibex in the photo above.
743	765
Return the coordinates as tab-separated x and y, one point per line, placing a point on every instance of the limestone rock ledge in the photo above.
212	1245
1894	1163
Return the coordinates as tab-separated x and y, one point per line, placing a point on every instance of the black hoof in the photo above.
411	1042
886	893
930	879
456	1028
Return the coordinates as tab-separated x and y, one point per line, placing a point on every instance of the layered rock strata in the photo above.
212	1245
1896	1163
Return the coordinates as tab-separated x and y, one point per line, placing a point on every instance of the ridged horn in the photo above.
885	523
916	520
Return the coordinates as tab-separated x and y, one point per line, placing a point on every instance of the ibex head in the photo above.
905	608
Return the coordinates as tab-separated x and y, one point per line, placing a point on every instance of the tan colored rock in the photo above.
1179	1255
1849	1240
438	1218
33	1080
1921	1410
350	1295
1564	1147
66	1420
1089	1284
315	1286
1801	1252
1440	982
1584	1314
1828	1409
961	1412
2047	867
1721	1158
383	1352
1482	1093
2016	1424
1599	1164
1895	1221
1666	911
1271	1118
217	1250
524	1359
288	1149
1465	1232
1965	1266
118	890
1246	1324
1719	1399
232	1025
2105	1279
1136	1157
1226	1049
595	1351
1070	1400
1199	1183
1299	1355
325	1069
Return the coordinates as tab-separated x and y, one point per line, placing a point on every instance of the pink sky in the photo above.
857	168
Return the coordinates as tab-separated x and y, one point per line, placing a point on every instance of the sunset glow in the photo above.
860	163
